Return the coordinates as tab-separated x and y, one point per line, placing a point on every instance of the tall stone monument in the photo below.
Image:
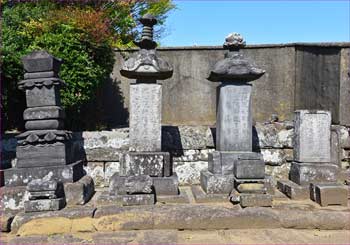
234	164
45	152
313	171
145	170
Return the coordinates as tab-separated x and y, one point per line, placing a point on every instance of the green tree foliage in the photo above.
82	33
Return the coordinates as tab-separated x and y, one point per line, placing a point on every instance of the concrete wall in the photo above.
298	76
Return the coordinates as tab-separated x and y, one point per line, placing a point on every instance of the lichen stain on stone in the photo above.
120	221
46	226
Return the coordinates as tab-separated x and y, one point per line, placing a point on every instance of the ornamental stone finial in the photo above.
235	67
146	42
145	66
234	41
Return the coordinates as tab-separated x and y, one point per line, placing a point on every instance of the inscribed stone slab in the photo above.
145	117
234	118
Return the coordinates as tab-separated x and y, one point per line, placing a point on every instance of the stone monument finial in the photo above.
235	67
145	66
234	41
146	42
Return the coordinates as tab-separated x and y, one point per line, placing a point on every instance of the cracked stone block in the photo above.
138	199
41	205
216	183
145	163
255	200
80	192
331	194
293	190
12	198
166	185
59	153
306	173
22	176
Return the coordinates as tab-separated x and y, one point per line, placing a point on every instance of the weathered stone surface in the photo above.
102	154
138	184
201	197
266	181
277	157
6	219
234	118
179	197
186	137
43	155
331	194
344	87
110	169
43	96
145	117
293	191
43	113
114	139
249	165
41	205
30	240
305	173
44	124
39	61
312	136
215	183
97	171
278	172
80	192
214	163
251	188
22	176
145	163
42	185
138	199
166	185
12	198
189	172
274	135
123	237
255	200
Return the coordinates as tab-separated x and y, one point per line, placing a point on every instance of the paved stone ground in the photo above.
234	236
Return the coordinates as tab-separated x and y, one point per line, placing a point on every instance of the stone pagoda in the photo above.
234	164
145	171
44	150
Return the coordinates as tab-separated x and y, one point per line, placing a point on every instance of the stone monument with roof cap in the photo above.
234	163
145	168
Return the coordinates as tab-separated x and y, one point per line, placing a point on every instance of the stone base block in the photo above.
264	185
292	190
122	185
41	205
44	155
43	113
138	199
182	197
331	194
22	176
201	197
306	173
243	164
12	198
216	183
166	185
145	163
80	192
255	200
249	165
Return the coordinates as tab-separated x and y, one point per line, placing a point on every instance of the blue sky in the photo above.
208	22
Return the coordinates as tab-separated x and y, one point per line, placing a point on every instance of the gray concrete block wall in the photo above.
298	76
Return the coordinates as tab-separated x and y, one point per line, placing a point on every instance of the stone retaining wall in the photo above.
189	146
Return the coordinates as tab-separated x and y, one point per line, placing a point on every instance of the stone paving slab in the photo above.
302	215
232	236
